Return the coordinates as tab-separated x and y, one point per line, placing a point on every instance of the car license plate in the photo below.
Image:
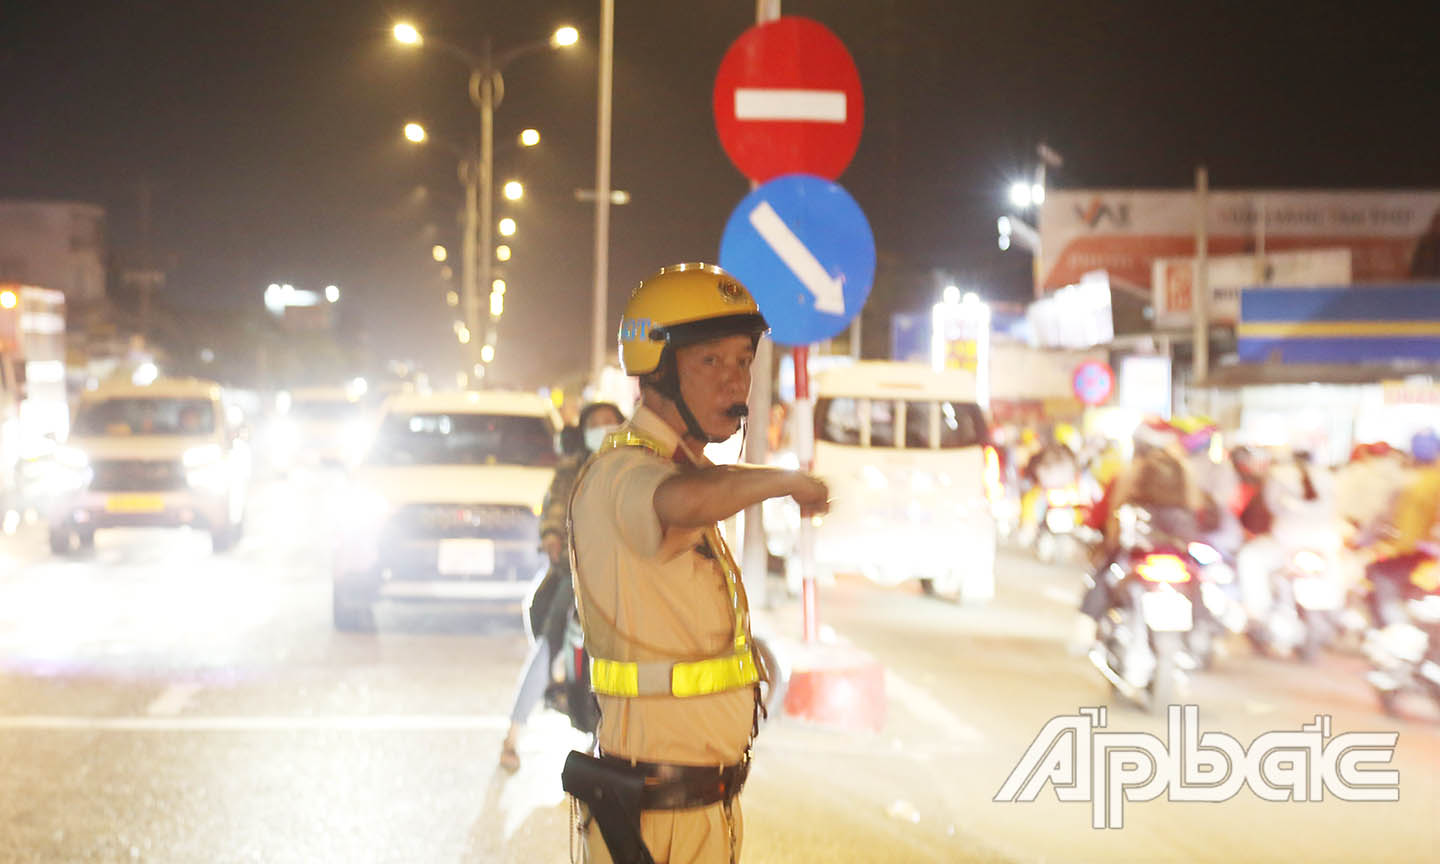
1060	520
467	557
135	504
1166	610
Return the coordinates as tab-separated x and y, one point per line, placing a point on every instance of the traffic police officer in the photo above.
664	612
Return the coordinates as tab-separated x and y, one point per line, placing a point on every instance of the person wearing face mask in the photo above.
663	609
554	599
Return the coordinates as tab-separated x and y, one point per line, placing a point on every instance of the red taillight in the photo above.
994	490
1163	568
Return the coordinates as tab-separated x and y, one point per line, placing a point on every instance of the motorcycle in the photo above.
569	689
1306	602
1220	611
1406	657
1152	586
1059	531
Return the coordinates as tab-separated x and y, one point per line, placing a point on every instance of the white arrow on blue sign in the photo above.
804	249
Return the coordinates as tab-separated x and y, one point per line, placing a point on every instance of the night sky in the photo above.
269	134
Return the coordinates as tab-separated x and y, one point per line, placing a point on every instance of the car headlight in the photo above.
73	458
356	440
198	457
75	471
365	509
205	467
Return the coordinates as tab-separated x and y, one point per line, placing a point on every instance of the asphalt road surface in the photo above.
160	703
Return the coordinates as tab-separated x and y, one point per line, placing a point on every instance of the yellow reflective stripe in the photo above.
697	678
612	678
716	675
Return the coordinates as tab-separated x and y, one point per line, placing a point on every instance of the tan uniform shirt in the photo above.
648	594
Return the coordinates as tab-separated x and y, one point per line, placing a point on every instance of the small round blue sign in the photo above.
1094	382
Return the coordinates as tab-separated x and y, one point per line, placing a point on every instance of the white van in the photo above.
906	452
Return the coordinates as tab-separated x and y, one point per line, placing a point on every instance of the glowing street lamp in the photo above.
507	228
415	132
529	138
452	298
502	252
487	354
438	253
1020	194
565	37
498	286
332	293
514	190
406	34
497	305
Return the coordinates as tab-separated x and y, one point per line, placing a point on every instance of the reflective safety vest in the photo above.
731	670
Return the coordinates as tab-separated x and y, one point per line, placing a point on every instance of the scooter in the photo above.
569	688
1304	616
1060	526
1406	657
1152	587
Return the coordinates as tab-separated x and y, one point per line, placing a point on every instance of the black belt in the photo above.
681	787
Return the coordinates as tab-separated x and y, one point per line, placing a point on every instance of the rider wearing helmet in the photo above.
661	602
1410	527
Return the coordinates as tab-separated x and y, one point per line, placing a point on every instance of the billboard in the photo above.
1390	235
1173	280
1328	324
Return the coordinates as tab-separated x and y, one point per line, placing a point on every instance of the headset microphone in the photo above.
738	411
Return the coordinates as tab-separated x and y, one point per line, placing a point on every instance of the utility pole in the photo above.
1201	301
755	554
469	288
487	207
602	191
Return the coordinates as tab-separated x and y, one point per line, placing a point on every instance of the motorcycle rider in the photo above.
554	599
1366	488
1157	480
1053	467
1299	502
1400	547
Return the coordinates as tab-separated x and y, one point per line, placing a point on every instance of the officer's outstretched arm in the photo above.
695	499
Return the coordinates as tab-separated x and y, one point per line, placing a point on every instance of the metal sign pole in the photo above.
805	451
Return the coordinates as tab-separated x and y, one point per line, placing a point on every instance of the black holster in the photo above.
613	795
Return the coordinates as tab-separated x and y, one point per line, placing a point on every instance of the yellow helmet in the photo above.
1067	435
682	305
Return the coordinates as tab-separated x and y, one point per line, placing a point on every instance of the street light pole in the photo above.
480	174
486	92
602	192
469	289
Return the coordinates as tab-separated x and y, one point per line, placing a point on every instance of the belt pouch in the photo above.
613	795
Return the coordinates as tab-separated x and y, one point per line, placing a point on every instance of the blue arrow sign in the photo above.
803	248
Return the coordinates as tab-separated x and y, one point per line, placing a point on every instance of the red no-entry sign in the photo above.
788	100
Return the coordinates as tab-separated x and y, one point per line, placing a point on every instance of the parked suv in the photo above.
446	505
159	455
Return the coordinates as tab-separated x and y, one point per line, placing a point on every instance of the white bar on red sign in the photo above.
815	106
